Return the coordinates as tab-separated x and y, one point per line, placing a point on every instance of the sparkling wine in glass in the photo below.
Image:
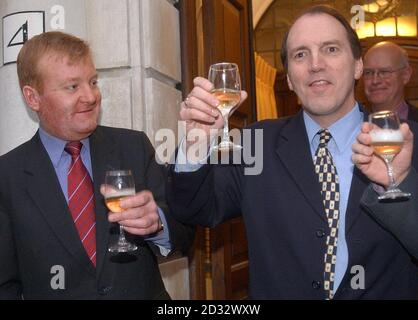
118	185
387	141
227	89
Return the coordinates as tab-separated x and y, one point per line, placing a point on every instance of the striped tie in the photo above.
81	200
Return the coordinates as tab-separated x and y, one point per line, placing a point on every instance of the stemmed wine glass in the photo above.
227	89
387	141
118	185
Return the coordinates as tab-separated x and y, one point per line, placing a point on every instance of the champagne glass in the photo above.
118	185
227	89
387	141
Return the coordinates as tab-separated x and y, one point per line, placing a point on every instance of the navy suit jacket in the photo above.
285	222
399	217
412	112
38	233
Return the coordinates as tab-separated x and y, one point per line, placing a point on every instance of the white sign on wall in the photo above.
18	28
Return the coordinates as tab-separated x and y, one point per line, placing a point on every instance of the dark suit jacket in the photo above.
285	222
398	217
37	231
412	112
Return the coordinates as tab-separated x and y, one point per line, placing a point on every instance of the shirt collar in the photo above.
340	130
55	146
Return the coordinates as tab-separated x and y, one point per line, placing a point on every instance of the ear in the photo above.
289	82
406	74
32	97
358	68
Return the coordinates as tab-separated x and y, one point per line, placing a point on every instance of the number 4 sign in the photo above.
18	27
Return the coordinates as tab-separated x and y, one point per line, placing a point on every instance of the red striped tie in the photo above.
81	200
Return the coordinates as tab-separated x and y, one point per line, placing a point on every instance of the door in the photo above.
215	31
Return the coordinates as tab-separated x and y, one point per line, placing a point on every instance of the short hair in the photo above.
325	9
54	42
404	57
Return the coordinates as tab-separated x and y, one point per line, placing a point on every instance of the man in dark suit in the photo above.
386	73
54	227
399	217
308	237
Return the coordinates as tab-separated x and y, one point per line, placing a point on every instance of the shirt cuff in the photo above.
378	189
162	238
183	164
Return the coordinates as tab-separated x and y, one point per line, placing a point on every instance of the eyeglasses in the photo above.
381	73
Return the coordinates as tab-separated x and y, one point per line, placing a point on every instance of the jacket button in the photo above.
320	233
316	285
104	290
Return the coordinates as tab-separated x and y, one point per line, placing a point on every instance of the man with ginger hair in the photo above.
55	230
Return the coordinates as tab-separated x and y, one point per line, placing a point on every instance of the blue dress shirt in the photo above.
344	133
61	161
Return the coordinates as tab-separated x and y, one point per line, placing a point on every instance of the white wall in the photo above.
136	46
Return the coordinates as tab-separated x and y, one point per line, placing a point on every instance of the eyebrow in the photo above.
322	44
96	75
327	43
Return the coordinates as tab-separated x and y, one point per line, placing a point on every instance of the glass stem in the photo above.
122	238
225	136
392	183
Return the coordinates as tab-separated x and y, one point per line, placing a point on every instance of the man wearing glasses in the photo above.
386	72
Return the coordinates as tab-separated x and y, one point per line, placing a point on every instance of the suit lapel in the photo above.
43	187
103	158
293	149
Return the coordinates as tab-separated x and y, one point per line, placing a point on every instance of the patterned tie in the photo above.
81	200
330	190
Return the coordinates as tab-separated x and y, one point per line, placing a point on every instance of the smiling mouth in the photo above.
378	90
86	111
319	83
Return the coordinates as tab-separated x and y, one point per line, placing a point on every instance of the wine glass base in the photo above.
226	146
123	247
394	194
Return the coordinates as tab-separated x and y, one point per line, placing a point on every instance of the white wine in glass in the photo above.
387	142
119	184
227	89
227	99
114	197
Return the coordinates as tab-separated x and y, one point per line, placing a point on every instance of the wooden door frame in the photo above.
189	70
207	257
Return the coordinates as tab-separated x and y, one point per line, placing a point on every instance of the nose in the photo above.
317	62
375	78
89	94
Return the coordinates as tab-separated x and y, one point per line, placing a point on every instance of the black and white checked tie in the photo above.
330	190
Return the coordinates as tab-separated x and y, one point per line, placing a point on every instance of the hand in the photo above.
140	215
373	166
199	110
